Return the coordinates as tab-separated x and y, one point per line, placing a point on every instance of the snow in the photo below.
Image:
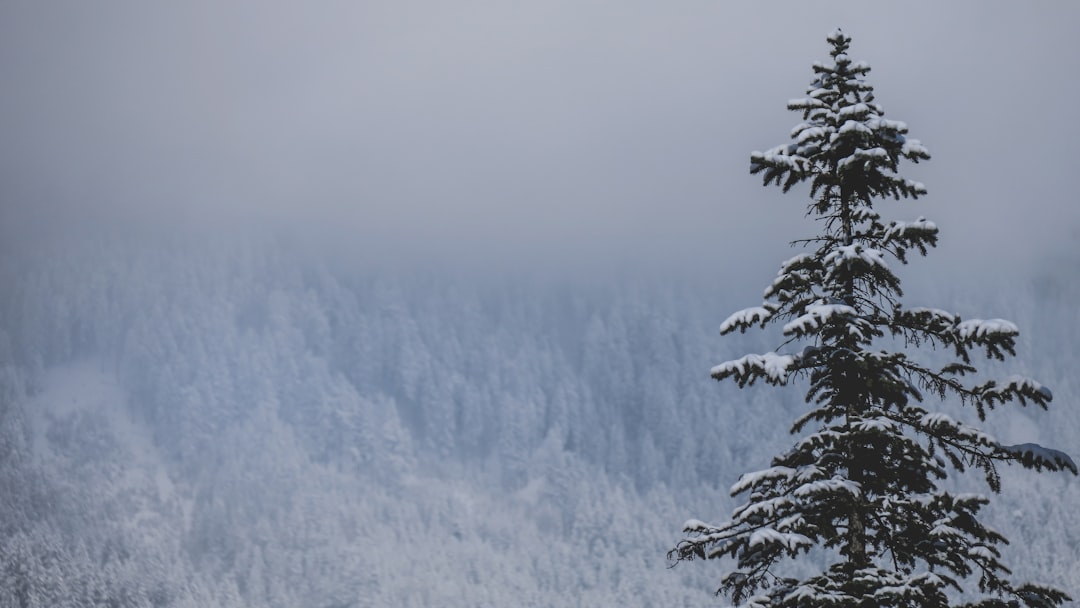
766	509
781	156
812	133
82	388
1033	453
1014	387
983	328
749	480
943	530
84	392
853	126
794	261
805	102
818	439
933	312
970	497
696	525
787	272
836	484
907	587
817	316
792	521
862	213
937	419
874	424
769	536
809	472
1021	384
857	109
885	124
864	155
937	422
898	228
913	147
745	318
721	436
773	366
802	126
982	552
811	595
844	254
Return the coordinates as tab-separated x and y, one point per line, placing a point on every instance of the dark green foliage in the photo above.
862	484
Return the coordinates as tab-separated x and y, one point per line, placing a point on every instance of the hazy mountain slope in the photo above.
238	424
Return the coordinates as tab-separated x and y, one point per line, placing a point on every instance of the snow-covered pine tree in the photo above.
863	483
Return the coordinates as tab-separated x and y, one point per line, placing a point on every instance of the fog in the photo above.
564	133
246	360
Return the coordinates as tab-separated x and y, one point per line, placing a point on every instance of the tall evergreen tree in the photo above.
862	484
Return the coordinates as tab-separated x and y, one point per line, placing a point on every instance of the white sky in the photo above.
571	131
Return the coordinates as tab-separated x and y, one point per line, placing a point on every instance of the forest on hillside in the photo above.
203	422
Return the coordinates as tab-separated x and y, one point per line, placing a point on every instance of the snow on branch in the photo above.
885	124
1033	455
828	486
825	439
871	156
778	162
864	213
914	149
943	425
812	133
874	425
914	188
750	480
772	367
981	329
934	313
815	594
764	510
805	103
854	126
1013	387
817	316
847	262
780	158
931	320
997	336
865	484
914	590
746	318
920	234
698	526
846	254
789	540
854	111
919	227
795	275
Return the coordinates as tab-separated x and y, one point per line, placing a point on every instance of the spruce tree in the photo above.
862	485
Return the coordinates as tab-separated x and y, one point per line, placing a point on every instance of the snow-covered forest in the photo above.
345	304
242	423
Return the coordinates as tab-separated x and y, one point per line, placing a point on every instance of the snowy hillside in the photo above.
238	425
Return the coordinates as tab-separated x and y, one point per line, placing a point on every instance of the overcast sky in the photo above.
564	130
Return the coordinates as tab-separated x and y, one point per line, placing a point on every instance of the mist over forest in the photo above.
396	304
240	423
